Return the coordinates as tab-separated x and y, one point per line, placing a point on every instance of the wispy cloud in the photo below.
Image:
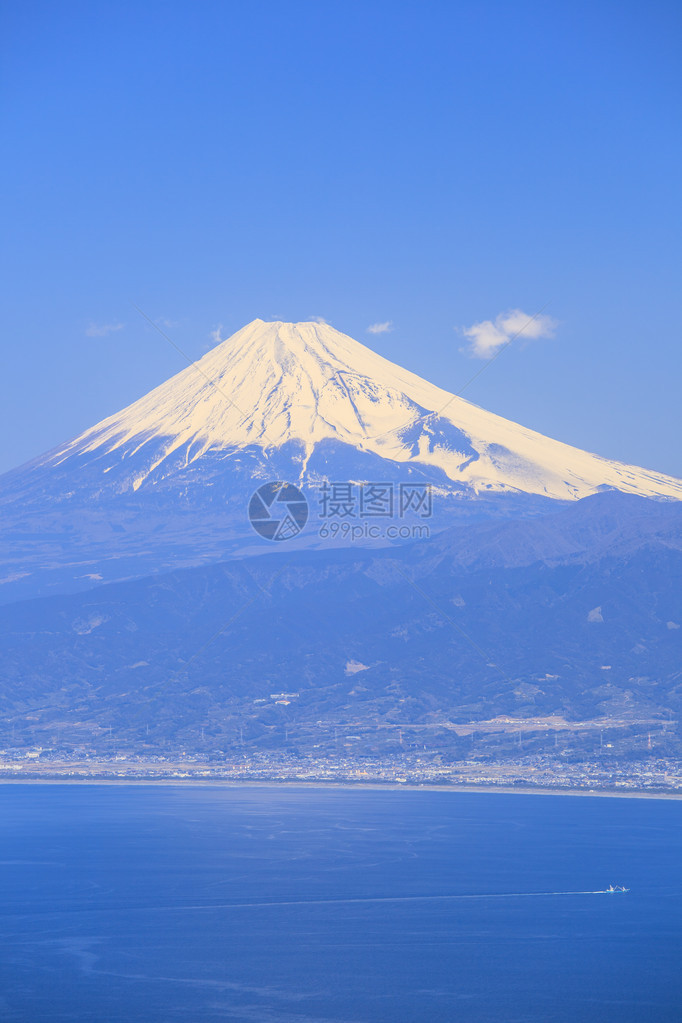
487	337
102	329
215	335
319	319
380	328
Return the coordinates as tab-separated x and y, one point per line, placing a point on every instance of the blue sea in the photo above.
310	905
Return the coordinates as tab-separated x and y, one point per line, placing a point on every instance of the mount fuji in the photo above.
165	483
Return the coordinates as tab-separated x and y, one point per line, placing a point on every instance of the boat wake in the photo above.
274	903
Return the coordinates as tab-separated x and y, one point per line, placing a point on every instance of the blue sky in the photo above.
432	165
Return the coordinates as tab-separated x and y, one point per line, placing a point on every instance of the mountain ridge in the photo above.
370	640
166	482
273	383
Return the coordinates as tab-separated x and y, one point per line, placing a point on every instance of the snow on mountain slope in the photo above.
166	482
273	383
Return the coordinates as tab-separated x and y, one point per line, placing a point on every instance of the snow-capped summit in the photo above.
271	384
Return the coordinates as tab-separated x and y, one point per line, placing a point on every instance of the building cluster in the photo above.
538	771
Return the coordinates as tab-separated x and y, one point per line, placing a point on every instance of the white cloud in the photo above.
381	328
486	338
102	329
215	334
319	319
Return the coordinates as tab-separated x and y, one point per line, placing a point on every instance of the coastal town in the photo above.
534	772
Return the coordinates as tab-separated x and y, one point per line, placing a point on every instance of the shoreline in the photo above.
540	790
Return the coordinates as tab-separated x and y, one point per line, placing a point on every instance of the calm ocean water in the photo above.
282	905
